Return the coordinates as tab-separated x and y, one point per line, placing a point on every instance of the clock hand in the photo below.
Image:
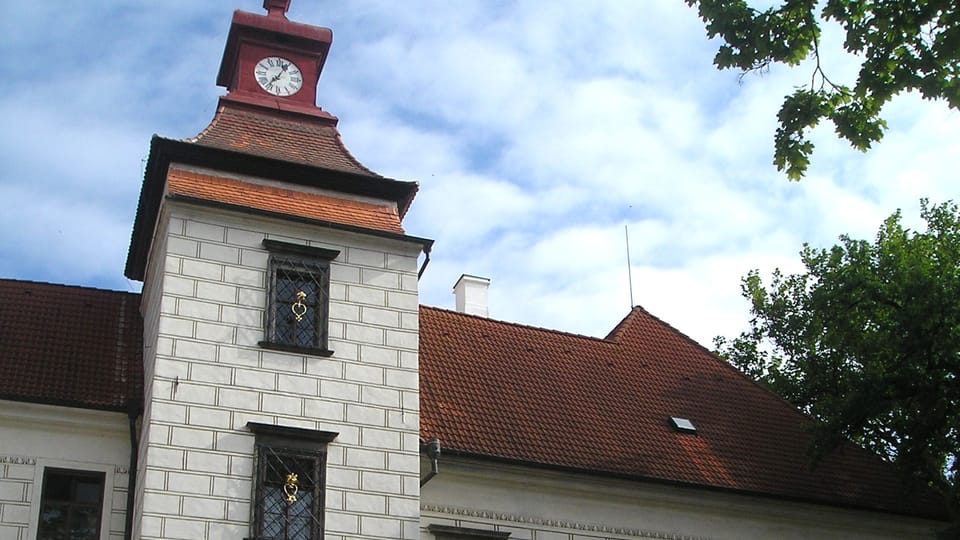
283	69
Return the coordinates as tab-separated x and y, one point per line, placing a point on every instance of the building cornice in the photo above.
555	523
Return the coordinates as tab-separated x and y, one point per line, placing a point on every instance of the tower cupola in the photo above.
270	61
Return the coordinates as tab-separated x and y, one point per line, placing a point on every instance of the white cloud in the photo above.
537	131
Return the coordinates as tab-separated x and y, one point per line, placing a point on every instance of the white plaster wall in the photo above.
210	378
34	436
150	310
540	505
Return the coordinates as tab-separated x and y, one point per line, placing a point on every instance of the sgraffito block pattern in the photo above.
208	283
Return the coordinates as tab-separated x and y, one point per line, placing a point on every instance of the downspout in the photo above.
132	471
426	261
433	452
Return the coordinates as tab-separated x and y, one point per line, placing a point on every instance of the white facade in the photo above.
204	302
530	504
35	437
534	504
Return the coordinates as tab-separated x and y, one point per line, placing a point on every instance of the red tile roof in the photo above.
70	345
300	149
284	201
505	391
272	134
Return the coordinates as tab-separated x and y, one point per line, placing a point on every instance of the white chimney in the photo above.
471	294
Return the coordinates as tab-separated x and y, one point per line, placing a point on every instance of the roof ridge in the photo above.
640	309
724	364
67	286
519	325
614	334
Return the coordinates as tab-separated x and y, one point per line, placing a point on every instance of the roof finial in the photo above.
276	8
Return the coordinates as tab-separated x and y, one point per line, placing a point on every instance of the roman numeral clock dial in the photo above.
278	76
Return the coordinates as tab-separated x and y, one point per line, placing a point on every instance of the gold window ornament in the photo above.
298	308
289	479
298	299
290	488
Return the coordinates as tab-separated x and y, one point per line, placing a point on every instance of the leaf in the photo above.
902	45
867	341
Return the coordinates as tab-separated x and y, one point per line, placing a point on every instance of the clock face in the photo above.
278	76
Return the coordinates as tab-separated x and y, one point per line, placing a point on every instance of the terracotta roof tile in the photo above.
70	345
283	201
526	394
271	134
504	391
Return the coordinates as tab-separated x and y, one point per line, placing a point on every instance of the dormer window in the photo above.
298	298
682	425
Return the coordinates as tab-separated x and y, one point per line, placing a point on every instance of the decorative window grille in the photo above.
71	504
289	484
287	507
298	297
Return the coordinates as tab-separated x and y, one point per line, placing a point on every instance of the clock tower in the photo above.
273	62
280	312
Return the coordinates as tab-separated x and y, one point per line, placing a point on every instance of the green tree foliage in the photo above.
904	45
867	342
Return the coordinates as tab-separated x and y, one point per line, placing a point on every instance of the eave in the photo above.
925	512
164	151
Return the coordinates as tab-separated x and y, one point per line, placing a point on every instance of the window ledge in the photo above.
313	351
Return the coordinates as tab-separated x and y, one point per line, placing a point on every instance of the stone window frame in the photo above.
308	262
74	472
274	443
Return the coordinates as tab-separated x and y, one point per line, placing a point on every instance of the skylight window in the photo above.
682	425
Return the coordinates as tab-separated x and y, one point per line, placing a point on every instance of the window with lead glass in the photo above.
298	297
70	505
289	483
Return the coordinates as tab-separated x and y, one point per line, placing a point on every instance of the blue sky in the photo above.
537	131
